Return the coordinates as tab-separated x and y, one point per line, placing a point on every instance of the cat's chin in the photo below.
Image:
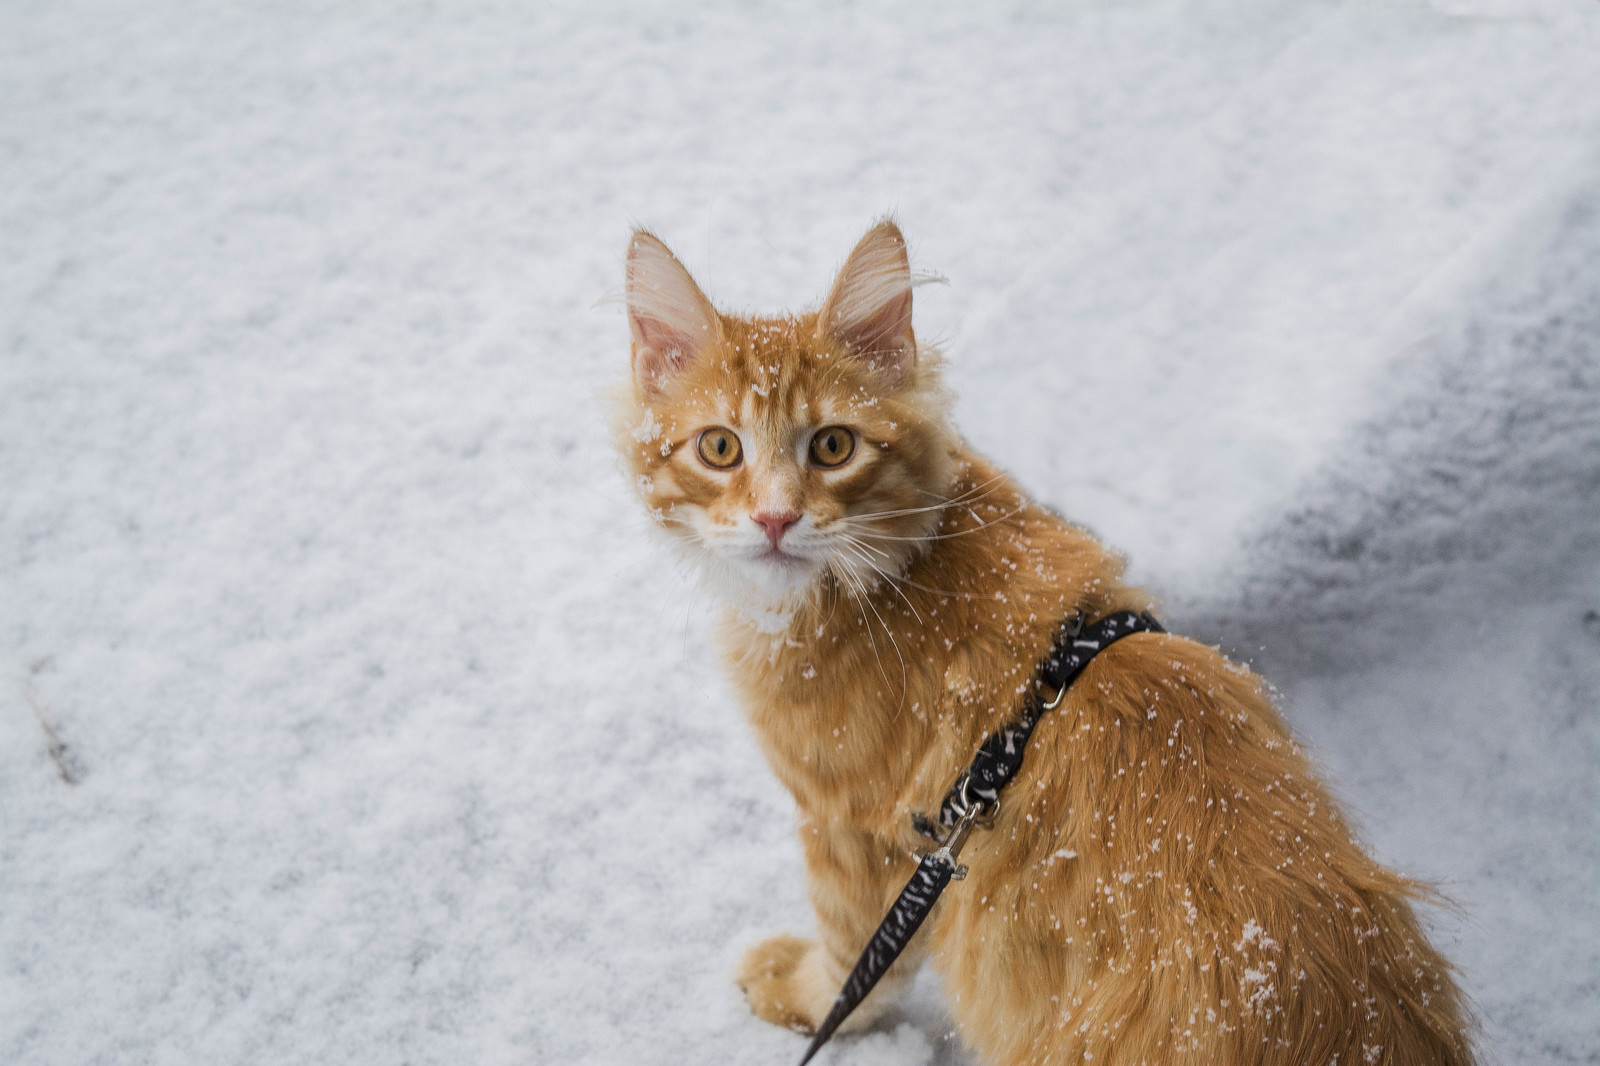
765	590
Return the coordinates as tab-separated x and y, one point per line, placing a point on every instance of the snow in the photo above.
349	710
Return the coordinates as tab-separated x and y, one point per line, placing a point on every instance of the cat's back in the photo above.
1168	840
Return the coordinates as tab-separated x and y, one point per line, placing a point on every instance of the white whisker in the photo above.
861	553
864	599
945	536
954	501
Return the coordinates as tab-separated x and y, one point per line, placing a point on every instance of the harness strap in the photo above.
976	791
1000	757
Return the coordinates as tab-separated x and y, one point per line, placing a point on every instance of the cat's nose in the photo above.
776	524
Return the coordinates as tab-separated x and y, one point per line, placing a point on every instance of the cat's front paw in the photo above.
780	982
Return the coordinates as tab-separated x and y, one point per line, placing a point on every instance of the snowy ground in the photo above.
348	712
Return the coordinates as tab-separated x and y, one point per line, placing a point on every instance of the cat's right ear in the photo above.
670	318
869	308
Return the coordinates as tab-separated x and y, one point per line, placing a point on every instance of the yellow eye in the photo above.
719	448
832	446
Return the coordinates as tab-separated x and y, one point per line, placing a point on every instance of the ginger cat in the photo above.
1166	880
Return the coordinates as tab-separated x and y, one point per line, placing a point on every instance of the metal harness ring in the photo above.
986	809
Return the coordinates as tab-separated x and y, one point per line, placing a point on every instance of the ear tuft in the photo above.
670	318
869	309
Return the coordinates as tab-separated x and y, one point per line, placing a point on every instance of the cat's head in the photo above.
787	452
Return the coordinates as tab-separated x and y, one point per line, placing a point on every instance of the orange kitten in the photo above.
1166	880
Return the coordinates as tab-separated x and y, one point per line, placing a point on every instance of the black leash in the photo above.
972	801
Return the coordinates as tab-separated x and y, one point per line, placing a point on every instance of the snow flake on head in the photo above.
649	428
1255	986
1253	933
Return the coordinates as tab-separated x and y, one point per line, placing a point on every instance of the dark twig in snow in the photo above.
67	765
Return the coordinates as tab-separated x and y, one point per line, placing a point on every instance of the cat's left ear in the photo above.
670	318
869	309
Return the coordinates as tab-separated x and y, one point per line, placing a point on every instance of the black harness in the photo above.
972	801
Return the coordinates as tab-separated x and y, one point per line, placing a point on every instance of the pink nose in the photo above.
776	525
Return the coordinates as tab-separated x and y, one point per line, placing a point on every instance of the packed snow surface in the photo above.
349	711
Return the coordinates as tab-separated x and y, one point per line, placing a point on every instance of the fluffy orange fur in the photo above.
1166	880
